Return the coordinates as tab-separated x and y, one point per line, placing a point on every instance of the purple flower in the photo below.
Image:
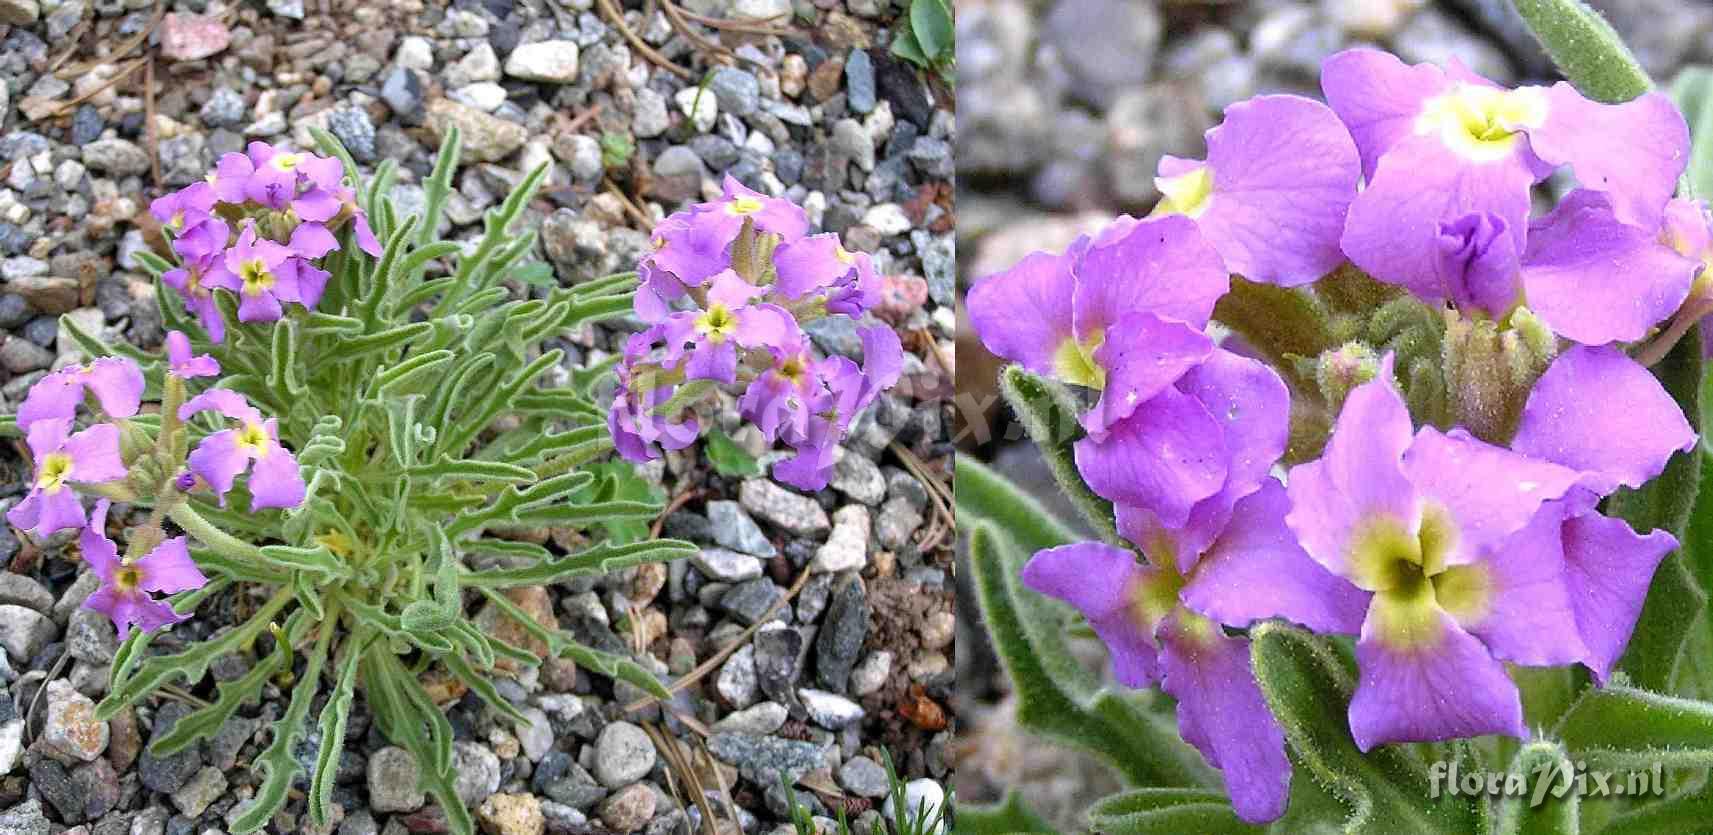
1272	196
1177	466
693	246
281	179
116	382
730	321
1457	549
184	208
776	215
1122	312
839	392
255	446
778	401
128	589
201	251
1161	623
62	459
182	364
1569	419
1437	145
1588	276
638	432
263	274
1688	230
820	264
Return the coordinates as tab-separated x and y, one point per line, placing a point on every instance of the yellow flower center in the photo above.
256	277
793	369
1187	194
285	162
255	437
844	255
743	206
1481	123
55	472
128	578
717	323
1074	362
1412	582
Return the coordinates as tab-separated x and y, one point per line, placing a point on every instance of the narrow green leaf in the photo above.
191	664
317	559
1623	727
1586	49
483	687
278	762
205	721
470	469
1010	815
931	23
439	184
361	347
981	492
599	559
1680	815
334	719
1049	414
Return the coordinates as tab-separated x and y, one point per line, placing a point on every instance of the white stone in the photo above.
700	106
550	61
847	545
415	53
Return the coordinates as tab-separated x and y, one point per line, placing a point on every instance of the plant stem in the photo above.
220	541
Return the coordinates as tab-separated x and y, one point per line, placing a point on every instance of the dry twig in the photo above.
617	17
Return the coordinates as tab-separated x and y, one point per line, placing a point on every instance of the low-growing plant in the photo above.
387	393
927	39
906	820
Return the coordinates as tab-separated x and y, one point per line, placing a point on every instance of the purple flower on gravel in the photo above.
779	399
1161	622
201	251
263	274
64	458
639	433
254	445
1456	547
731	320
182	364
1272	195
1123	312
1437	145
184	208
820	264
116	382
840	391
128	589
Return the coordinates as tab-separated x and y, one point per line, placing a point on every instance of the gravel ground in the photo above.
1065	110
856	661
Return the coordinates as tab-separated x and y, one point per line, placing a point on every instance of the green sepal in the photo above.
1048	412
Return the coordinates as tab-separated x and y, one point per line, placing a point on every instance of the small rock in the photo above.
71	731
11	745
847	546
677	175
416	53
856	476
18	590
550	61
486	138
392	781
623	754
224	108
859	82
21	356
475	770
737	91
793	512
189	37
167	774
536	737
353	128
202	790
829	710
20	12
887	218
25	818
842	635
115	156
737	682
402	91
511	814
778	662
764	718
748	602
761	759
864	777
628	810
924	801
726	566
648	117
49	294
734	529
871	674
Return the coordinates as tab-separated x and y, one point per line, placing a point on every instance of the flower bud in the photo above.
1490	370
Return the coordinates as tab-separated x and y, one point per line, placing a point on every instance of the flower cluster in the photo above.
724	294
1447	553
113	457
257	228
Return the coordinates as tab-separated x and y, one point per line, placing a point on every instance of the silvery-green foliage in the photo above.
427	422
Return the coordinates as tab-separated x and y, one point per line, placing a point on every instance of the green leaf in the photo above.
1679	815
1308	687
931	23
729	459
980	492
1008	816
1156	811
905	45
1055	696
1673	602
1586	49
1540	765
599	559
191	664
334	718
277	762
1048	412
1626	727
536	274
232	695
